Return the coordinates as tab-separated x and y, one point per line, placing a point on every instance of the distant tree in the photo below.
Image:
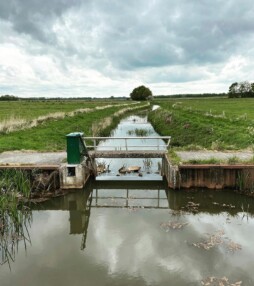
233	89
8	98
242	89
141	93
245	88
252	87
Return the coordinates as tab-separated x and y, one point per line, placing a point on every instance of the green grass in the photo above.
50	135
193	122
232	108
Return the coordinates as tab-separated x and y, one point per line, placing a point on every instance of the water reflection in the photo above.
134	195
102	236
149	195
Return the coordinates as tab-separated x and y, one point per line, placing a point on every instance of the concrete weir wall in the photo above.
208	176
74	176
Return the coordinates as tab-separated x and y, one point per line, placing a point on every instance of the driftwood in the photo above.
124	170
134	169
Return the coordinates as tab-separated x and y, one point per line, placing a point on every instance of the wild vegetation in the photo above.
48	134
216	124
13	124
142	132
14	214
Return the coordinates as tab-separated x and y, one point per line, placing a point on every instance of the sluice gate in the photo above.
82	153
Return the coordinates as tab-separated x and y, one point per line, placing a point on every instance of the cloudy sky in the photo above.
108	47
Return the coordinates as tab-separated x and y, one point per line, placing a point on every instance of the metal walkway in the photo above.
122	147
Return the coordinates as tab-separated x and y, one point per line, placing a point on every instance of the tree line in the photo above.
8	98
241	89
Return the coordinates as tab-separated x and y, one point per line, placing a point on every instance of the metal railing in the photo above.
124	143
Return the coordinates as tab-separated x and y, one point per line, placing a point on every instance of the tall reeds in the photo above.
14	214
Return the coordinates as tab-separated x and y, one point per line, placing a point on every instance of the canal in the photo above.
135	231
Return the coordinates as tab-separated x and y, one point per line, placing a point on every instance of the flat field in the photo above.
30	109
212	123
49	134
231	108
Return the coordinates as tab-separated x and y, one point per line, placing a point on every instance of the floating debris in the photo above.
134	169
216	204
214	281
191	207
212	241
218	239
131	169
233	246
224	205
177	212
123	170
172	225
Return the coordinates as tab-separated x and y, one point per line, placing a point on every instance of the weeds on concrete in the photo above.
206	161
173	157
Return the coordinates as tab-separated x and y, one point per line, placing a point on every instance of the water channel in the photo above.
136	232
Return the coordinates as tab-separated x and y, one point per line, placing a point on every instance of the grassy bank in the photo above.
16	123
216	124
50	135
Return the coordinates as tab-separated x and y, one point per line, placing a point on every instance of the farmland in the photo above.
30	109
48	134
212	123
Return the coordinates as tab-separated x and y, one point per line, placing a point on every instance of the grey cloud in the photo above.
176	74
138	34
34	17
129	37
176	33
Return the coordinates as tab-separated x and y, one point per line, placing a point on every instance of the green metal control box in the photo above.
76	150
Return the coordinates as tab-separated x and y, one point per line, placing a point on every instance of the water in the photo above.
117	233
124	129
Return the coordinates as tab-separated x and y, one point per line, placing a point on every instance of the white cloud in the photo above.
75	48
